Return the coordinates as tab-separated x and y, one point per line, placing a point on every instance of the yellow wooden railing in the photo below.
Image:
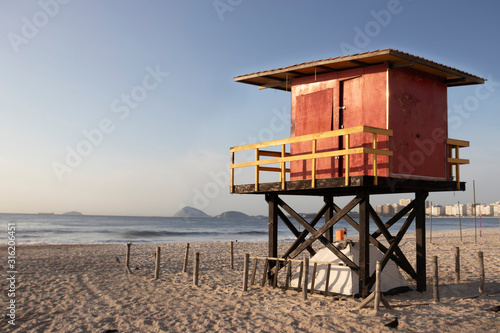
454	145
282	157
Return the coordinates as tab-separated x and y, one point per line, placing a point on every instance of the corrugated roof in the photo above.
280	78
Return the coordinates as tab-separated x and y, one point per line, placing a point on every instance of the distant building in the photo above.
404	202
469	209
485	210
379	209
455	210
397	208
387	209
437	210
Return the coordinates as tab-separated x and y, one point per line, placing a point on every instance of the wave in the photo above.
253	232
149	233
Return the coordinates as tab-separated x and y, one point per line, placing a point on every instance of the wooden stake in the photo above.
313	278
327	283
301	272
288	274
196	268
127	258
245	271
457	264
305	278
275	276
264	274
232	255
481	273
184	268
252	280
157	263
377	287
435	282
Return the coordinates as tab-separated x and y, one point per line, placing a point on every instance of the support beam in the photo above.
395	218
328	199
400	259
364	250
294	230
273	228
419	209
305	232
318	234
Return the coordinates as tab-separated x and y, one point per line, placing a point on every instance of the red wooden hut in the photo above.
362	124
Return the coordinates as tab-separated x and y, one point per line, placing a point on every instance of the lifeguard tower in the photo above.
361	125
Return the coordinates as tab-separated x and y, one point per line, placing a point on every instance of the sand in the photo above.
83	288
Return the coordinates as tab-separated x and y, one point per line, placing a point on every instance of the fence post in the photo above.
377	287
157	263
127	258
435	283
305	278
481	273
245	271
184	268
457	264
196	268
231	253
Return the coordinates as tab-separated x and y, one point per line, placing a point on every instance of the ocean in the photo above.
87	229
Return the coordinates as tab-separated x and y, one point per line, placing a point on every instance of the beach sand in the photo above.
83	288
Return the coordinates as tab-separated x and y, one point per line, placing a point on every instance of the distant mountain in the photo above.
72	213
232	215
190	212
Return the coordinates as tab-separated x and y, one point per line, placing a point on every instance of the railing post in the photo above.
457	167
375	157
283	167
232	172
257	169
313	176
347	159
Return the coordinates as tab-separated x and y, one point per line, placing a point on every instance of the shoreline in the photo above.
153	241
83	287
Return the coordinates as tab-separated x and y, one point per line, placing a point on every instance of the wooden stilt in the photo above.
328	199
457	264
364	250
273	229
419	208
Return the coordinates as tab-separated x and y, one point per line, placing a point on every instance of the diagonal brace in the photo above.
318	234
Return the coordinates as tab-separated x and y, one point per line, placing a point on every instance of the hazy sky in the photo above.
129	107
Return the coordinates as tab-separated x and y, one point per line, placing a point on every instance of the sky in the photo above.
125	107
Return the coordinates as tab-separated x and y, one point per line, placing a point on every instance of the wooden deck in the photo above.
337	187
